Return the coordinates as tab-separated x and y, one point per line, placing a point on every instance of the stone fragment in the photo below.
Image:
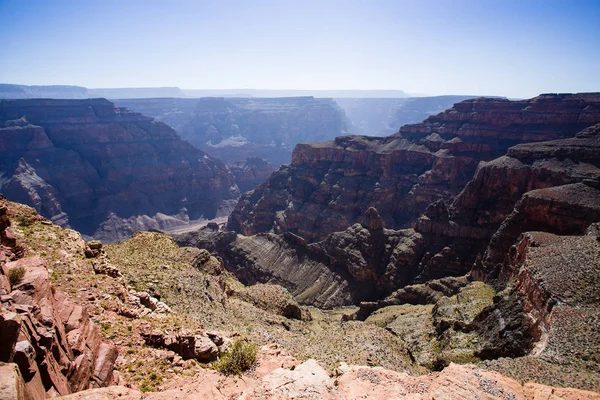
11	383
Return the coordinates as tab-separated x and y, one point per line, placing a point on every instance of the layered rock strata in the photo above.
329	185
447	238
104	170
364	262
251	172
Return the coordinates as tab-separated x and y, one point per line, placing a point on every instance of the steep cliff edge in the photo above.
329	186
104	170
57	348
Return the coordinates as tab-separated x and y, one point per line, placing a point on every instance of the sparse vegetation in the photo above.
240	358
15	275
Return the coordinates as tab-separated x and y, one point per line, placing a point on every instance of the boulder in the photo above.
11	382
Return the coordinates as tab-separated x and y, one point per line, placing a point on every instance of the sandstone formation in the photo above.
329	185
104	170
548	186
57	348
202	346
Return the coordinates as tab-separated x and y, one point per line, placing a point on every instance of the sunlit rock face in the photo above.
330	185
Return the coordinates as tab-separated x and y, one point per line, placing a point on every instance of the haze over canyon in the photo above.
300	200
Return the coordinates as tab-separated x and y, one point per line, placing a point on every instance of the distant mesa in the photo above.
13	91
233	129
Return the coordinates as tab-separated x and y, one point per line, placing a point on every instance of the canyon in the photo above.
106	171
457	257
233	129
355	256
541	326
329	185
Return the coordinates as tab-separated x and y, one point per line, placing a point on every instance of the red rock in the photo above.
330	185
50	338
535	391
105	361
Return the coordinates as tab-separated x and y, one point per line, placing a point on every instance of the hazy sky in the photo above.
490	47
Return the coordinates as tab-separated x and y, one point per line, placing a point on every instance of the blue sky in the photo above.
487	47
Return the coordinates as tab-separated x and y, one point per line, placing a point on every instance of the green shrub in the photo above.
15	275
240	358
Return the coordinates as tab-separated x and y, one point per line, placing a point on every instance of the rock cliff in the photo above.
329	185
93	166
57	348
537	186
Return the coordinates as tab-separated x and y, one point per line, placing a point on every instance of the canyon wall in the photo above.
233	129
550	185
91	165
330	185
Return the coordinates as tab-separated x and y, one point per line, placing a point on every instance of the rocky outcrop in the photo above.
272	298
497	185
330	185
364	262
567	210
527	177
274	259
425	293
537	186
104	170
57	348
310	381
546	310
202	346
